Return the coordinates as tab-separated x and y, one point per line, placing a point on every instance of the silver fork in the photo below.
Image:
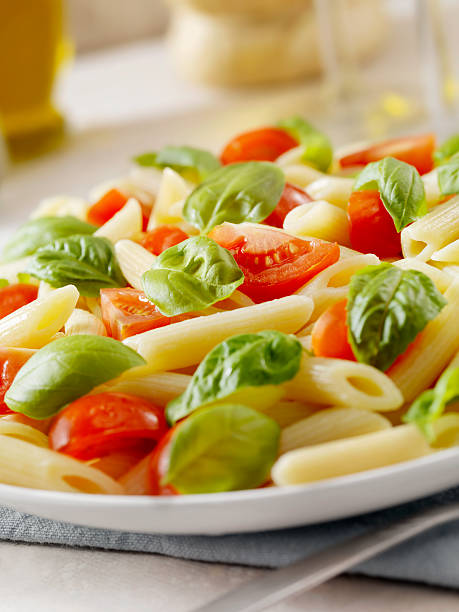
304	575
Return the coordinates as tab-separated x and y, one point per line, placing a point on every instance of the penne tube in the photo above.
134	261
21	431
437	345
9	271
136	480
173	189
44	289
334	189
124	224
442	280
84	322
431	188
351	455
26	465
160	388
319	219
301	175
287	412
61	206
33	325
42	425
117	464
331	424
188	342
446	431
344	383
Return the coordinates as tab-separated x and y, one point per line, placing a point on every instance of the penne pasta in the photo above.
319	219
61	206
84	322
286	412
160	388
431	188
172	190
136	480
134	261
41	425
21	431
440	278
124	224
334	189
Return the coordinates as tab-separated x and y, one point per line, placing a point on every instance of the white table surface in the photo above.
121	85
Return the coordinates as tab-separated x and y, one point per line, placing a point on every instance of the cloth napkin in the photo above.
431	558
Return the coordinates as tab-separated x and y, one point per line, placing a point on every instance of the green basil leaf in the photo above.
318	151
194	163
225	447
247	191
246	360
65	370
40	232
3	283
400	187
88	262
387	307
191	275
431	404
448	176
449	148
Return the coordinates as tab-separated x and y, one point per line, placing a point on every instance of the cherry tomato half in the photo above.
15	296
415	150
330	333
371	228
11	361
127	312
265	144
291	198
161	238
97	425
274	263
111	203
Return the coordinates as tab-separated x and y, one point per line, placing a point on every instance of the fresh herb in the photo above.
400	187
247	191
88	262
193	163
247	360
387	307
449	148
222	448
3	283
65	370
317	149
448	176
40	232
191	275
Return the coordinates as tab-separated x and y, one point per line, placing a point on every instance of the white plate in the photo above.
99	155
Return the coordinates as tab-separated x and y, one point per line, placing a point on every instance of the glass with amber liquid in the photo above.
32	45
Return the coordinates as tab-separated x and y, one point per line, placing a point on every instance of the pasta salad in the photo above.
277	315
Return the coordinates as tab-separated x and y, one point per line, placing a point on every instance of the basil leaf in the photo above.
65	370
387	307
40	232
318	151
400	187
246	360
196	163
3	283
88	262
222	448
430	405
448	176
449	148
191	275
247	191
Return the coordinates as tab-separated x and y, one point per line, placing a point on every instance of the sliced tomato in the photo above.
291	198
415	150
11	361
111	203
159	465
127	312
330	333
265	144
97	425
371	228
15	296
161	238
274	263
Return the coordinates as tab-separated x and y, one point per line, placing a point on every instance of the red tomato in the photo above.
97	425
265	144
159	465
127	312
161	238
274	263
329	334
11	361
15	296
291	198
371	228
111	203
415	150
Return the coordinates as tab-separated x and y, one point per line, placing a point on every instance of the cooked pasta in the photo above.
318	219
134	260
172	191
160	388
84	322
60	206
333	189
440	278
124	224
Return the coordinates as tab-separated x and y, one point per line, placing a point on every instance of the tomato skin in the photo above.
97	425
111	203
11	361
274	263
330	333
159	464
371	228
127	312
15	296
415	150
161	238
265	144
291	198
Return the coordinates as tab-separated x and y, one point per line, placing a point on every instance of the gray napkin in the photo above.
432	558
